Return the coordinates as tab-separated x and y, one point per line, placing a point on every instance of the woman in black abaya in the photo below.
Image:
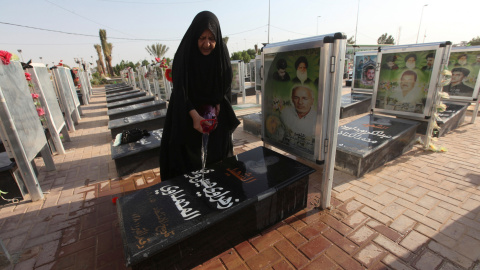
202	75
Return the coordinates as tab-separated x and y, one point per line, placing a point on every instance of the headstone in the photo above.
122	93
136	109
355	104
125	97
450	119
14	187
184	221
138	156
370	141
128	102
149	121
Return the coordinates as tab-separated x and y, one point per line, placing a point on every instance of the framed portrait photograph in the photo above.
464	63
407	79
364	69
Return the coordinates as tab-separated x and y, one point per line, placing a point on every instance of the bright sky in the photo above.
244	22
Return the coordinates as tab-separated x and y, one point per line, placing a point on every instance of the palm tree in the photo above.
107	50
157	50
100	64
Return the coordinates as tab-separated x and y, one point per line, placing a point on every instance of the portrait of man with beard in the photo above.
410	61
301	66
462	60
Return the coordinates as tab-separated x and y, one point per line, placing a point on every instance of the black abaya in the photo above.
198	80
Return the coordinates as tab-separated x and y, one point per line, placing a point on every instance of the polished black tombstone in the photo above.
182	222
137	156
125	97
115	85
128	102
122	93
149	121
119	89
450	119
252	123
355	104
136	109
250	91
9	180
370	141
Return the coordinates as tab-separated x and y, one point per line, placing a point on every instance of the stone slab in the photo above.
354	104
125	97
184	221
450	119
122	93
372	140
252	123
118	89
8	181
138	156
116	85
136	109
128	102
149	121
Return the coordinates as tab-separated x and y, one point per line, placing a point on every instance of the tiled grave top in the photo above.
157	217
370	132
135	107
145	143
130	120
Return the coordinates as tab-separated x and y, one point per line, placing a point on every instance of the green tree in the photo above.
100	64
245	56
475	41
145	62
157	50
107	50
351	40
386	39
123	65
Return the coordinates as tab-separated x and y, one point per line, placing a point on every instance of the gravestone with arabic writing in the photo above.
354	104
149	121
184	221
136	109
370	141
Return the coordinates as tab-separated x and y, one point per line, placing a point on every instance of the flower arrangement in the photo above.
36	102
168	74
5	57
60	64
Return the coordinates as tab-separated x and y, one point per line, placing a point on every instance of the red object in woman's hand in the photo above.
208	125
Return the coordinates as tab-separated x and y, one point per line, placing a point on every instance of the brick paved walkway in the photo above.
420	211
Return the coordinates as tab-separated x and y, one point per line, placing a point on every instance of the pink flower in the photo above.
114	200
5	57
28	76
157	59
35	96
40	111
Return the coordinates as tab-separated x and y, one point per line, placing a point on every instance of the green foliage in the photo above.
245	56
123	65
98	79
145	62
157	50
386	39
475	41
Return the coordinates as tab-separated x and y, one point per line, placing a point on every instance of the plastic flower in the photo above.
157	59
40	112
168	74
35	96
114	200
441	107
5	57
444	95
28	76
60	64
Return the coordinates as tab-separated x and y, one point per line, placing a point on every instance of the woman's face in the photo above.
206	42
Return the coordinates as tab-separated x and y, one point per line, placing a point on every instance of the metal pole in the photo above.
356	27
268	40
418	33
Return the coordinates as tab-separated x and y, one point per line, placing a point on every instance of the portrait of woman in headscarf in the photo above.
202	77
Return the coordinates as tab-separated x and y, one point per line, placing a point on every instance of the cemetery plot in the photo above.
119	89
450	119
122	93
149	121
182	221
370	141
354	104
128	102
252	123
125	97
136	109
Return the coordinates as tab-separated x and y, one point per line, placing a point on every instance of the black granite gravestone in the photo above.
119	89
128	102
125	97
122	93
450	119
138	156
149	121
8	181
184	221
115	85
354	104
252	123
370	141
136	109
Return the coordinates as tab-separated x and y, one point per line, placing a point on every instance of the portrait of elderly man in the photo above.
369	75
456	86
301	66
408	94
300	118
411	61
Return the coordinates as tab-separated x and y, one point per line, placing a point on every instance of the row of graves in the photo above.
181	222
38	107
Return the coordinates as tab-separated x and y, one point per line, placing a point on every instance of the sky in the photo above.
132	25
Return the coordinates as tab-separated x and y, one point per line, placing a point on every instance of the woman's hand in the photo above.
217	110
196	120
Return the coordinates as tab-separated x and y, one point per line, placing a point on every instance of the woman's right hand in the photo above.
197	121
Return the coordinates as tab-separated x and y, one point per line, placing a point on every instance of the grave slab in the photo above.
136	109
9	180
182	222
252	123
128	102
122	93
116	85
370	141
126	96
119	89
149	121
354	104
450	119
